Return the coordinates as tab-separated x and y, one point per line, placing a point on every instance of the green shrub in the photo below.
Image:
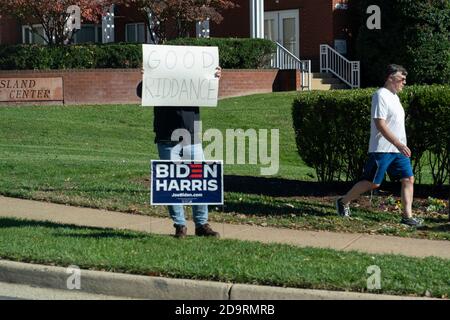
123	55
86	56
428	125
235	53
332	130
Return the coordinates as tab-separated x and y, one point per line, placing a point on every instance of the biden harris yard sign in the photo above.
180	76
186	182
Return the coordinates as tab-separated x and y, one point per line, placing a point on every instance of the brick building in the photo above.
299	25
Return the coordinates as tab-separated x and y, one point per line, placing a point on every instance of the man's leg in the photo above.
373	176
407	196
357	190
402	168
343	203
199	212
176	212
200	215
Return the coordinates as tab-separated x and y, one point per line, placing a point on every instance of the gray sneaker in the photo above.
342	210
412	222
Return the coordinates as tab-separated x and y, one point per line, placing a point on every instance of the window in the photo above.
88	33
28	36
135	32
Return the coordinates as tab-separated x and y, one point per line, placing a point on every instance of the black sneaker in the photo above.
412	222
206	231
180	231
342	210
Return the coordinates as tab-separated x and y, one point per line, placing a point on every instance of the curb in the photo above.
159	288
113	284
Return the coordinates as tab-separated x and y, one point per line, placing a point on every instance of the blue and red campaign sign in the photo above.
186	182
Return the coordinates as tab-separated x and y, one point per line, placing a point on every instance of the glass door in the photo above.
271	26
283	27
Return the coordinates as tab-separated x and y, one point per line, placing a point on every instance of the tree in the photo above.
414	33
52	15
184	13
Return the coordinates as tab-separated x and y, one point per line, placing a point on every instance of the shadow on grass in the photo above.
305	209
118	190
75	231
262	209
437	220
99	235
17	222
436	228
277	187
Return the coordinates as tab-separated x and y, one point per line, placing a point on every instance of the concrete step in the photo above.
329	86
322	75
326	81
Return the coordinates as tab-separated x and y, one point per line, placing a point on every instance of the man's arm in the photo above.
382	127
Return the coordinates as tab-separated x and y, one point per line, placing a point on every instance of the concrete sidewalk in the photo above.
35	210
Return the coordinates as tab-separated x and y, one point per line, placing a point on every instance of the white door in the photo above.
283	27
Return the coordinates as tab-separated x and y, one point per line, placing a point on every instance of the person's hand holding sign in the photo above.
218	73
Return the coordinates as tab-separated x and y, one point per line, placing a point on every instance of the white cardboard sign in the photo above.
180	76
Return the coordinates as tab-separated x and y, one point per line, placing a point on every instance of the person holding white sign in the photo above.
180	76
175	131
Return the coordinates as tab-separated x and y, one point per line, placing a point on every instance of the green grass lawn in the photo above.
219	260
99	156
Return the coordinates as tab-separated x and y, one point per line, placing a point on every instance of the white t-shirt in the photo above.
386	105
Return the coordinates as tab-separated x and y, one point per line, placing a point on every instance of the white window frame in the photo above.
25	27
135	24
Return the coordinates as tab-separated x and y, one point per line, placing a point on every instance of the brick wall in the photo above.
90	86
242	82
236	22
118	86
10	31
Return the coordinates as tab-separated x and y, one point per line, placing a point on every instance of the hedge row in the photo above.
332	130
86	56
234	54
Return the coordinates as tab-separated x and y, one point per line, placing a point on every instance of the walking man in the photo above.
388	151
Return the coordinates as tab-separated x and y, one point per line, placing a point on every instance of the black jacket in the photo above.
168	119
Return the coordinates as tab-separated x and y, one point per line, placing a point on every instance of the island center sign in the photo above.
31	89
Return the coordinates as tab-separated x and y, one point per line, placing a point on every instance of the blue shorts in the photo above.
397	165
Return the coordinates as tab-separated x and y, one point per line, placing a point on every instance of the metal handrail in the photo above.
284	59
335	63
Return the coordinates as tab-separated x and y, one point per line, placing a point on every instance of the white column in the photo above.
257	19
108	25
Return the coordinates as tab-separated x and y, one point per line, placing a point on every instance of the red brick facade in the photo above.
320	23
10	31
118	86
